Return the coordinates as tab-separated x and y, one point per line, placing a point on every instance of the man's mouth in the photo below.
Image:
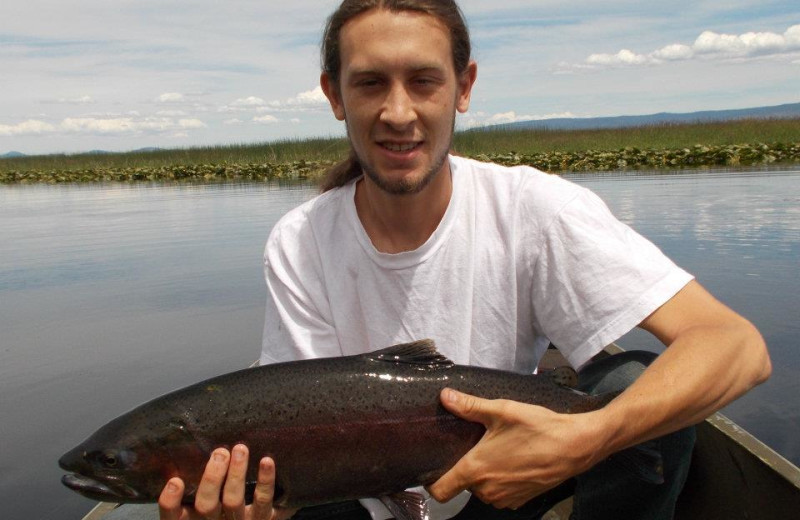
400	147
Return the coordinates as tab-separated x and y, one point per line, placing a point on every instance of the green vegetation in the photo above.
655	137
736	143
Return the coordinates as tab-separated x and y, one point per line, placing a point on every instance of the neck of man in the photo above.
400	223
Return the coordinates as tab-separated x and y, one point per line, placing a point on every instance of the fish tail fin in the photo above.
407	505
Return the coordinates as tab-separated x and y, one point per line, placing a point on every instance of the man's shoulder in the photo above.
511	184
301	220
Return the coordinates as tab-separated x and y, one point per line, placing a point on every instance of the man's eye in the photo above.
426	82
368	83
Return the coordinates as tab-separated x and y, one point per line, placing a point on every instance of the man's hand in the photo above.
225	476
525	451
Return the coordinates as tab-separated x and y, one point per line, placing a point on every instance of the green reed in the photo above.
662	136
308	157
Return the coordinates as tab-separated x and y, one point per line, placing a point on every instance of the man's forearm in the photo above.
706	366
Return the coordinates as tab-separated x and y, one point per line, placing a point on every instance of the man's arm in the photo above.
714	356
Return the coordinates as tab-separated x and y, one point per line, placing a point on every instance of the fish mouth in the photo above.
101	491
101	486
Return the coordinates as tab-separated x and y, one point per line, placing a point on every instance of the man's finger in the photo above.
233	492
169	502
265	491
208	492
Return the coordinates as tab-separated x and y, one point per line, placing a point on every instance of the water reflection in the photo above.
111	295
740	235
114	294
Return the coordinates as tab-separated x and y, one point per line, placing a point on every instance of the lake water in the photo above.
114	294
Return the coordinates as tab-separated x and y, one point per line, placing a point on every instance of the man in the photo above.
493	263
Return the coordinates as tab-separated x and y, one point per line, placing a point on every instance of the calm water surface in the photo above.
112	295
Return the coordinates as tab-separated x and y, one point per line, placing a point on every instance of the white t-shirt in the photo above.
521	258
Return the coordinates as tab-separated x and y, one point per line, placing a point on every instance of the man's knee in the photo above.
614	373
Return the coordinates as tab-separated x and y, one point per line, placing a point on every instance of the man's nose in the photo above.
398	110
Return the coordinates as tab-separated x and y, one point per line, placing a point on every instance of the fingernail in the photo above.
238	454
219	456
172	487
451	395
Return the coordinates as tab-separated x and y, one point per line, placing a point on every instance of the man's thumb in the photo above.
468	407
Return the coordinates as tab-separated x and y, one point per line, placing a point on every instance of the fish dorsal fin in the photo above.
407	505
422	353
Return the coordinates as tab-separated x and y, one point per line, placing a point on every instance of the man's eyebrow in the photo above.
422	67
428	68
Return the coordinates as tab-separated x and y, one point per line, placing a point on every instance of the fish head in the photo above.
123	462
103	474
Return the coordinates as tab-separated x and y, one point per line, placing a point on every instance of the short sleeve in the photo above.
596	278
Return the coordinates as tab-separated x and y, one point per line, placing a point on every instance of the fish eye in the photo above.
108	459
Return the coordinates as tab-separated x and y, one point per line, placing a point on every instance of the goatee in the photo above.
405	186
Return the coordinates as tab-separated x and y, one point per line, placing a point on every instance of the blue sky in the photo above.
125	74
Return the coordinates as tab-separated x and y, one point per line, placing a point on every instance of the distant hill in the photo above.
11	155
787	111
106	152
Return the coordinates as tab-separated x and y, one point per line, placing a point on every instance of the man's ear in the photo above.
465	83
331	91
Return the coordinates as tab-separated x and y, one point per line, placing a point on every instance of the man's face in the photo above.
398	94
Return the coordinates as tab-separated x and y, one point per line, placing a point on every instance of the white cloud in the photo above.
476	119
170	113
95	125
709	45
747	44
304	101
102	125
233	121
191	123
309	98
243	105
81	100
313	99
170	97
676	51
29	127
623	57
251	101
266	119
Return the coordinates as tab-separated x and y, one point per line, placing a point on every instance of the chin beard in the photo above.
405	186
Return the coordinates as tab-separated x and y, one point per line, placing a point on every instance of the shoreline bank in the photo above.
629	158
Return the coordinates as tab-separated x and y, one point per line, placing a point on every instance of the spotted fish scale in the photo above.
338	428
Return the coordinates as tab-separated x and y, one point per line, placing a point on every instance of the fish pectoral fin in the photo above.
407	505
422	353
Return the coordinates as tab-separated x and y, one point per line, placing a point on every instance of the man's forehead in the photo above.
379	35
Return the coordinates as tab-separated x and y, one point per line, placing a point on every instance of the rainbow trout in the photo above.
338	428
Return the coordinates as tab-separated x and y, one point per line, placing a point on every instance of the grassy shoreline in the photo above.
725	144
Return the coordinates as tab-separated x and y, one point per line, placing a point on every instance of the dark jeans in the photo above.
607	491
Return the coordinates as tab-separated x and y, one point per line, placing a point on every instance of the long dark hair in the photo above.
446	11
